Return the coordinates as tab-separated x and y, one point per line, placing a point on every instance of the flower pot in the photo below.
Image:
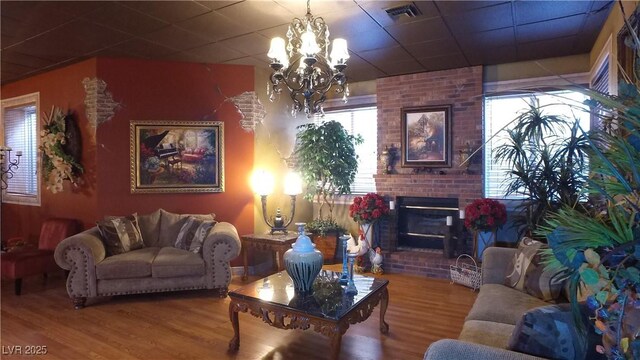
328	245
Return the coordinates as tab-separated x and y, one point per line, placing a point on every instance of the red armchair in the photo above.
16	265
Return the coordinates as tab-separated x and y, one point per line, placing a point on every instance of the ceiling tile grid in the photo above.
38	36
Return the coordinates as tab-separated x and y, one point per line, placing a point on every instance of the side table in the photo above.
278	243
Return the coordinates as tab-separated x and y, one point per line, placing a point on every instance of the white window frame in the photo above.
510	87
32	200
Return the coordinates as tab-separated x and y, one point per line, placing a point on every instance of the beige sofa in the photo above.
492	318
156	267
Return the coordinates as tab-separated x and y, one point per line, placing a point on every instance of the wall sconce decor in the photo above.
7	166
465	157
388	156
263	184
305	67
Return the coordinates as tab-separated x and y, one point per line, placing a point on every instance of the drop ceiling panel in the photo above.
248	60
257	15
350	21
419	31
385	55
125	19
214	26
493	55
25	60
144	49
487	39
400	67
482	19
535	11
217	4
434	48
444	62
176	38
298	8
216	53
169	11
550	29
456	7
547	48
250	44
373	39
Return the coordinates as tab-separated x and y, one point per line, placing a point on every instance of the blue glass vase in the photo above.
303	262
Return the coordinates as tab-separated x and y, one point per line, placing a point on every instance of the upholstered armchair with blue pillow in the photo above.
519	314
156	252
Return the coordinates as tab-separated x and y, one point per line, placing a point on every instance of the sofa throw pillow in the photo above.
192	234
550	332
529	275
120	234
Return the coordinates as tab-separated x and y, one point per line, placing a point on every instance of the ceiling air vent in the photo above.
409	10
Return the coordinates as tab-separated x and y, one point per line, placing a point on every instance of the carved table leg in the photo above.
384	327
234	344
336	342
280	257
244	262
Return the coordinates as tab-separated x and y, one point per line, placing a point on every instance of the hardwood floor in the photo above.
195	324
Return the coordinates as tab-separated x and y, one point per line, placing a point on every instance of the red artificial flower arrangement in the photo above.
485	214
368	209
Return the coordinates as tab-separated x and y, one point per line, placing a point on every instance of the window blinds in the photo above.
360	121
20	131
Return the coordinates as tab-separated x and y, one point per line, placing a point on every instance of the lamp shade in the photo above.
309	47
262	182
277	52
292	184
339	52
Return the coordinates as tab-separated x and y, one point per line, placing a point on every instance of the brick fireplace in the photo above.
462	89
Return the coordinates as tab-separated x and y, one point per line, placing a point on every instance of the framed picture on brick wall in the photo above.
176	156
426	136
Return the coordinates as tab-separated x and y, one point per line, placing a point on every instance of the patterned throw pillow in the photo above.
550	332
529	273
120	234
193	233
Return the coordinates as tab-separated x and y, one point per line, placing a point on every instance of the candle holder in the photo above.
344	277
7	166
351	286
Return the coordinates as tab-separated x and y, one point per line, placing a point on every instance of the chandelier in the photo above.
307	71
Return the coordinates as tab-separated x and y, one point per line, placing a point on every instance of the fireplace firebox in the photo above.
422	223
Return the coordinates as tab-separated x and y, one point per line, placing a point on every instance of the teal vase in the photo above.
303	262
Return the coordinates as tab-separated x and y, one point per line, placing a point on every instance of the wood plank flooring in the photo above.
195	324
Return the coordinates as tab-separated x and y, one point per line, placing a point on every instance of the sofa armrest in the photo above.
220	247
449	349
496	264
79	254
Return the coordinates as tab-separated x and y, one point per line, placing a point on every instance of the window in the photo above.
501	110
361	121
20	132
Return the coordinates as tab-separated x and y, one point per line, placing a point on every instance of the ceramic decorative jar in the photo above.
303	262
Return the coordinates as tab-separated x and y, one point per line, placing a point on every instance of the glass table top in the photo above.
328	299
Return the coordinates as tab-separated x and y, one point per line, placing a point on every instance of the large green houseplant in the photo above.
547	169
325	156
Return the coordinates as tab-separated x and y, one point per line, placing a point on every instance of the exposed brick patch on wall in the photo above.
251	109
99	104
460	88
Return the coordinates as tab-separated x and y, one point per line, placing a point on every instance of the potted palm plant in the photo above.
325	156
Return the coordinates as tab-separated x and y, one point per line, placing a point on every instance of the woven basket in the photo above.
466	274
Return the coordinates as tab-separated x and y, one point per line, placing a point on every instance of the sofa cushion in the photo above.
499	303
172	262
487	333
133	264
150	228
550	331
529	273
192	234
170	225
120	234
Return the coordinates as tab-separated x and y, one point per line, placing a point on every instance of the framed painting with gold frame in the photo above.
426	136
176	156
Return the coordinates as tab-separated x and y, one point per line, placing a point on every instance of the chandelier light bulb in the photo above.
277	51
309	46
339	52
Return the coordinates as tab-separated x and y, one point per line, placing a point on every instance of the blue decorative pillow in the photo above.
550	332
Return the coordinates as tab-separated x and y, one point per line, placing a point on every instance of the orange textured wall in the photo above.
175	91
62	88
146	90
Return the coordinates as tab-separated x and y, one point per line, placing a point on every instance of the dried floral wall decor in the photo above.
59	162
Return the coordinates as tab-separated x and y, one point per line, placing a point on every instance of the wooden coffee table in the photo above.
273	300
